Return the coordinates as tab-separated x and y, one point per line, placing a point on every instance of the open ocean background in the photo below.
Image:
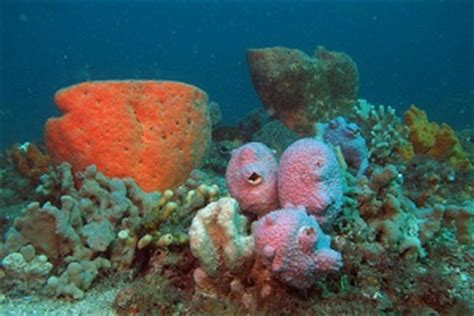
407	51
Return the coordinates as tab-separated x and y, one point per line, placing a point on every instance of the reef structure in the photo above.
103	225
301	90
385	133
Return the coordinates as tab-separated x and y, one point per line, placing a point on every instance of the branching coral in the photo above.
103	223
387	221
386	136
25	270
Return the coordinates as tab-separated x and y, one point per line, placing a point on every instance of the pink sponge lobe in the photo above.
292	245
310	176
252	178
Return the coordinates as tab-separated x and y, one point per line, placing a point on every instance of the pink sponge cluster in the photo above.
291	244
307	182
308	175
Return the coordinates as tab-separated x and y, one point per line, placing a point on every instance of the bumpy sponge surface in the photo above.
292	245
310	176
153	131
252	178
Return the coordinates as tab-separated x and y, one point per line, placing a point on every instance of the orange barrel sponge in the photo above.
153	131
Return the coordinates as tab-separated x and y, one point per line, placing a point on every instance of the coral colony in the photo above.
327	204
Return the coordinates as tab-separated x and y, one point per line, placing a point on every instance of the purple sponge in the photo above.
310	176
291	244
252	178
339	132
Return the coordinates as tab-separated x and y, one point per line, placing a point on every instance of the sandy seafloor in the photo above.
97	301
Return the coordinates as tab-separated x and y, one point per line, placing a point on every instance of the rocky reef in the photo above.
367	214
105	224
301	90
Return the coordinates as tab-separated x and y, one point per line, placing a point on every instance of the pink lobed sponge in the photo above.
252	178
310	176
291	244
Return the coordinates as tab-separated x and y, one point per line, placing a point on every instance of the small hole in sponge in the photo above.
255	178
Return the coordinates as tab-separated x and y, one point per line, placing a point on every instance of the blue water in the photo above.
407	52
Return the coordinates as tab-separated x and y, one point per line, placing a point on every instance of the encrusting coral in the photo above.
30	161
219	239
156	132
25	270
437	141
391	222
